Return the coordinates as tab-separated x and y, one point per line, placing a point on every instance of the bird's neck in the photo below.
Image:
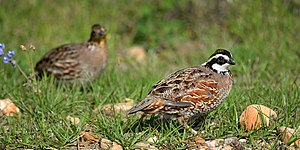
101	42
217	68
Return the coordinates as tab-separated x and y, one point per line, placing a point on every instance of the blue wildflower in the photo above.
11	53
6	59
2	46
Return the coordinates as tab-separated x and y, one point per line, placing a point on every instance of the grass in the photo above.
262	36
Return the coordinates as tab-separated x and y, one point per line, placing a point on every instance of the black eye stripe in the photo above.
218	60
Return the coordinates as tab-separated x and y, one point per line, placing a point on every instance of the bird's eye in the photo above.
221	60
102	33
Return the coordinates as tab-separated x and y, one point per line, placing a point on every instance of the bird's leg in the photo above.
184	122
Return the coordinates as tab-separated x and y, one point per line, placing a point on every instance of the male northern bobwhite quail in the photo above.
77	63
191	92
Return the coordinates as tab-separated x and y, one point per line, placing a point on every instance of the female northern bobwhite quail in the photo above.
191	92
77	63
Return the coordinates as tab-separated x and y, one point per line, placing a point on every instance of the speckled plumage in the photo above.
192	91
76	62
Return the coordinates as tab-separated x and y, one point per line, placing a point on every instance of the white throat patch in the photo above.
92	47
220	68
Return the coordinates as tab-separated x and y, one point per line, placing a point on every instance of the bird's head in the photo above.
219	61
98	34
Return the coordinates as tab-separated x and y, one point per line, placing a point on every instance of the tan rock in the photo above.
108	144
116	146
152	139
73	120
110	109
202	147
8	108
199	140
230	140
144	146
88	139
287	133
88	136
227	147
215	143
254	116
137	53
243	140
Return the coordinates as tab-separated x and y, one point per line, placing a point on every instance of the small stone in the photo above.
152	139
111	109
8	108
230	140
137	53
116	146
265	145
144	146
243	140
88	139
227	147
88	136
202	147
287	133
73	120
108	144
251	119
215	143
199	140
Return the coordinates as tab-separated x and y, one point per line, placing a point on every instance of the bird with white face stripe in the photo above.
191	92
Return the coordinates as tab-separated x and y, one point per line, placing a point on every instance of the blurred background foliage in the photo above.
157	24
191	29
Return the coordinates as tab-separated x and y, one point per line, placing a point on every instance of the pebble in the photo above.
8	108
144	146
111	109
251	119
287	133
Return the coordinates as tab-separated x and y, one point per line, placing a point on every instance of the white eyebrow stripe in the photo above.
218	55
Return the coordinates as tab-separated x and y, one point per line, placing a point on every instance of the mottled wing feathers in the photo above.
180	89
61	62
177	84
142	105
151	105
78	63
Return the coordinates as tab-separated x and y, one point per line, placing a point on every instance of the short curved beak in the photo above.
231	62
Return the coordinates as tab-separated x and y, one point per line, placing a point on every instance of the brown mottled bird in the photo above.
77	63
191	92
